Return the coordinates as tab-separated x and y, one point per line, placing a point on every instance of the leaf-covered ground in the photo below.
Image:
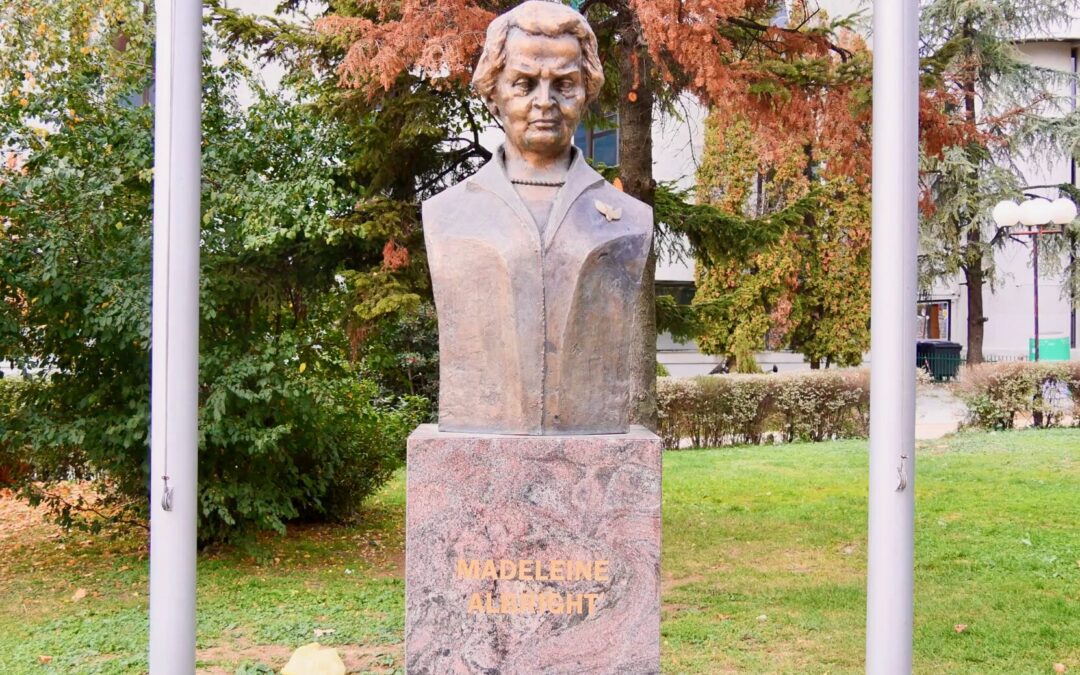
764	567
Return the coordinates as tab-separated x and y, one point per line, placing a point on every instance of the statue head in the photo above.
538	71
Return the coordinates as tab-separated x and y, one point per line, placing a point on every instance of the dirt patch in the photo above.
224	659
670	584
21	523
318	545
24	525
395	565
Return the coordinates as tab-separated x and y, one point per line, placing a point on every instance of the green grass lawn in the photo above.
764	566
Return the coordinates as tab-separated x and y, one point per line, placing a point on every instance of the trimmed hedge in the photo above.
714	410
996	393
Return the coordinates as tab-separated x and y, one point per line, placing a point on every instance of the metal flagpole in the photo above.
891	547
175	336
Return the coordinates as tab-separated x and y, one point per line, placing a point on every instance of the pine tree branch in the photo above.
750	24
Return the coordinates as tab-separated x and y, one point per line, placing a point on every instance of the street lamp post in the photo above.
1035	212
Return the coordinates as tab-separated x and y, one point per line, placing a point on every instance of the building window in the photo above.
600	145
935	319
682	291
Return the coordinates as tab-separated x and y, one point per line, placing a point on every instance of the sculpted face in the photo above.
540	93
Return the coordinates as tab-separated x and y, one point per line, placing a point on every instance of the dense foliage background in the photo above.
289	426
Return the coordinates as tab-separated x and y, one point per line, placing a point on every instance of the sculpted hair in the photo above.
538	17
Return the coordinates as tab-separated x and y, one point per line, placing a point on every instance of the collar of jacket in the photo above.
580	177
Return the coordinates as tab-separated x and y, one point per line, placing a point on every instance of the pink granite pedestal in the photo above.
532	554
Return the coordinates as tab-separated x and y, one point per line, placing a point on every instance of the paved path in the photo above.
937	411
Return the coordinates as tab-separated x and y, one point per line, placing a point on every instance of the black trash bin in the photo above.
940	358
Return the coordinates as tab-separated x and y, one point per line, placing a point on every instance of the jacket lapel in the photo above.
580	178
492	178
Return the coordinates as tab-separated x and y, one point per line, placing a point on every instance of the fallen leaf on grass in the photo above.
78	594
960	627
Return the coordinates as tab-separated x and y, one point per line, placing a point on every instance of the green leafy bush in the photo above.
289	427
733	408
999	394
822	406
286	436
401	354
12	465
715	410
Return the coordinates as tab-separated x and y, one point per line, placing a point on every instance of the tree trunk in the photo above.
635	171
973	267
976	322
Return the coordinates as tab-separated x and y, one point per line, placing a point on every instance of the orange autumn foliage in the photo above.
938	128
795	84
394	256
440	39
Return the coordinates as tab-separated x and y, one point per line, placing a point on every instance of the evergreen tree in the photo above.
288	427
1007	110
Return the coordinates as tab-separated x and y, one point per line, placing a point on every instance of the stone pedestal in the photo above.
532	554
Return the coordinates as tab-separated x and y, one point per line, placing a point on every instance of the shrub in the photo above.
280	443
289	426
820	406
12	466
730	409
734	408
276	444
676	401
996	393
401	354
1073	384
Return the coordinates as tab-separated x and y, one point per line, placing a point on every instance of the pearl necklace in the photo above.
539	183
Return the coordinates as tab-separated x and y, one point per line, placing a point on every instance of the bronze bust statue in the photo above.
536	261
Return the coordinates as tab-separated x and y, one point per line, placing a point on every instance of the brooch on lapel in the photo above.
609	211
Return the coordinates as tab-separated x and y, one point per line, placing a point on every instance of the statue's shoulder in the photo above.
436	207
634	212
454	193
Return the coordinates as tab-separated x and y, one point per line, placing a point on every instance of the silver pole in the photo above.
175	336
891	547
